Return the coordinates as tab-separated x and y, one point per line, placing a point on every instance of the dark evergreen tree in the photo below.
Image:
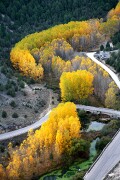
101	48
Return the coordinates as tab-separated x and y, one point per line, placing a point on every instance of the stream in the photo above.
95	126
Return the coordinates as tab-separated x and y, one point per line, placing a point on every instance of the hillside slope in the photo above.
19	18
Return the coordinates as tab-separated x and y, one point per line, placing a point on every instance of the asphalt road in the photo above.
24	130
111	112
111	73
109	158
37	124
111	155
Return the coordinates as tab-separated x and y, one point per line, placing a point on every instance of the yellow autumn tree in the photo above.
110	99
76	85
114	12
2	173
54	137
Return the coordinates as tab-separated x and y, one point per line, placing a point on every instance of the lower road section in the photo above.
108	159
24	130
43	118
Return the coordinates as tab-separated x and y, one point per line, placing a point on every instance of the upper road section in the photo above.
111	73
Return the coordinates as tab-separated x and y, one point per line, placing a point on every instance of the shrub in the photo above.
53	102
108	46
1	87
101	48
36	111
25	116
21	84
102	143
8	85
4	114
79	176
16	88
84	118
15	115
80	148
11	92
2	148
24	93
13	104
4	70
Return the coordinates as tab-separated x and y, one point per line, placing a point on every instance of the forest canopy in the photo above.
52	48
23	17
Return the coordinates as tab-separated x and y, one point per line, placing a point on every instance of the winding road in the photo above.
24	130
111	73
109	157
45	116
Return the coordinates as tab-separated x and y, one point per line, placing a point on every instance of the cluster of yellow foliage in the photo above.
115	12
76	85
111	26
25	62
48	48
54	137
111	100
101	77
51	47
2	173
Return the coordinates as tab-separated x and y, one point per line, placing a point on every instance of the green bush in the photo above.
84	118
108	48
8	85
101	48
4	114
16	88
25	116
21	84
78	176
1	87
2	148
4	70
13	104
110	128
11	92
102	143
15	115
80	148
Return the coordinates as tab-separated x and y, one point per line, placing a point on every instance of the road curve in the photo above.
24	130
11	134
111	73
111	154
